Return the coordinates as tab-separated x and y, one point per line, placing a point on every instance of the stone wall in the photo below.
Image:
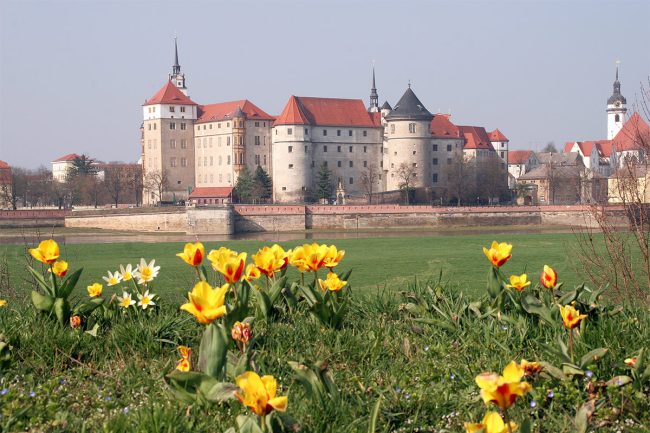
127	220
32	218
249	219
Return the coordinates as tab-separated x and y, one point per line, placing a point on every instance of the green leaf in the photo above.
533	305
619	381
248	424
41	281
494	285
213	350
553	371
93	331
583	415
374	416
221	391
568	297
42	302
69	284
62	310
85	308
526	426
592	356
572	370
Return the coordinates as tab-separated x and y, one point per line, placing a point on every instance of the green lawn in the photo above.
377	263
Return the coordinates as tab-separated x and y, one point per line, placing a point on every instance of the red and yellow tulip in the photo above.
206	304
549	277
499	253
47	252
503	390
333	257
332	283
492	423
308	257
259	393
59	268
631	361
227	262
193	253
571	317
270	260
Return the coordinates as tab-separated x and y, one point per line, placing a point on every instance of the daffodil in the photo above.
3	302
571	317
94	290
270	259
549	277
492	423
518	282
332	283
125	300
333	257
59	268
192	253
227	262
146	300
499	253
259	393
47	252
503	390
252	273
126	273
206	303
113	278
146	272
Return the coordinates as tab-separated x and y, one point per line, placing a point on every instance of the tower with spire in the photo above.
176	76
615	109
374	96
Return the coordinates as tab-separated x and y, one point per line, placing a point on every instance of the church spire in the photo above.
374	96
176	69
177	77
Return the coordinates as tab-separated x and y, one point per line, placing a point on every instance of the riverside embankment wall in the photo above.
231	219
32	218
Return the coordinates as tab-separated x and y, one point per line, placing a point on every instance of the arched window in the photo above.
617	118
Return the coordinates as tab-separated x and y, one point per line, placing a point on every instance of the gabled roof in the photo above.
4	164
409	107
302	110
559	172
169	94
211	192
558	159
519	156
476	137
226	110
442	127
634	134
497	135
68	157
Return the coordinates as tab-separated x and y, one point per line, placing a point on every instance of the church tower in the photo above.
374	96
615	110
176	76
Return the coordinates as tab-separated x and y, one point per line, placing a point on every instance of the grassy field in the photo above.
378	263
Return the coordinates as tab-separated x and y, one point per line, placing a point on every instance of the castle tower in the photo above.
176	76
374	96
615	110
408	143
238	133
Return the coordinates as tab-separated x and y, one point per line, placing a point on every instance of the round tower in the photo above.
408	143
615	110
238	133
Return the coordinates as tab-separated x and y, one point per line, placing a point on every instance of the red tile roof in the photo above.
211	192
4	164
169	94
476	137
497	135
442	127
633	135
326	112
68	157
220	111
519	156
603	147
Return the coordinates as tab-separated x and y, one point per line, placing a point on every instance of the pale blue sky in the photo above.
73	74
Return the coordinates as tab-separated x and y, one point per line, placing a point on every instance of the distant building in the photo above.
211	195
61	166
6	182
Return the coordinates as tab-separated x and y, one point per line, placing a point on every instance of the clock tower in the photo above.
615	110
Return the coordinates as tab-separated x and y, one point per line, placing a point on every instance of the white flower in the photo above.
125	300
146	272
127	273
146	300
113	278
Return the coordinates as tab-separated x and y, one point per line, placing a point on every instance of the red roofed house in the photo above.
500	144
5	185
60	166
338	133
211	195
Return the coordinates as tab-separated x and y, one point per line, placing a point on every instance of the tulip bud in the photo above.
75	322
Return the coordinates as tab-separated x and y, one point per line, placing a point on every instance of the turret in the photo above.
615	110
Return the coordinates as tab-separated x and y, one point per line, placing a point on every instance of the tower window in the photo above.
325	148
617	118
289	131
324	132
350	149
392	129
172	125
351	164
365	149
184	125
435	148
172	109
435	161
435	178
182	109
449	148
365	133
338	148
338	132
350	133
412	128
338	163
351	180
365	163
290	149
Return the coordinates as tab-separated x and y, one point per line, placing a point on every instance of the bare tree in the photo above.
116	177
406	174
369	178
156	182
492	179
461	178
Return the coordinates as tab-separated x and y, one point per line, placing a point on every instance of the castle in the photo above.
197	151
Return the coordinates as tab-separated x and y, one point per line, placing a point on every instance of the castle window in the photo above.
218	125
324	163
351	180
182	109
365	163
449	148
241	124
412	128
257	140
306	149
365	149
435	161
304	188
183	144
350	133
198	127
172	162
338	132
284	188
276	132
617	118
172	109
227	124
228	141
306	131
414	152
365	133
351	164
172	144
183	162
325	148
257	159
289	131
264	159
392	129
154	126
448	161
172	125
392	165
338	163
204	127
149	127
381	164
290	166
228	160
434	178
264	124
290	149
210	126
257	124
350	149
324	132
435	148
338	149
313	163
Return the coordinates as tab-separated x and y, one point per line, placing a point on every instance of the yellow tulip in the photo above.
192	253
518	282
308	257
333	257
227	262
184	351
3	302
549	277
270	260
628	361
60	268
183	364
571	317
259	393
252	273
94	290
499	253
206	303
492	423
47	252
503	390
531	368
332	283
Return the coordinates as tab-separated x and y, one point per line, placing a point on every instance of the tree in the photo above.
136	183
369	178
82	166
492	179
550	147
406	173
324	183
116	178
263	184
155	183
461	178
245	185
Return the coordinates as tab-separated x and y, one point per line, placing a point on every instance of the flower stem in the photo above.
507	420
571	344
